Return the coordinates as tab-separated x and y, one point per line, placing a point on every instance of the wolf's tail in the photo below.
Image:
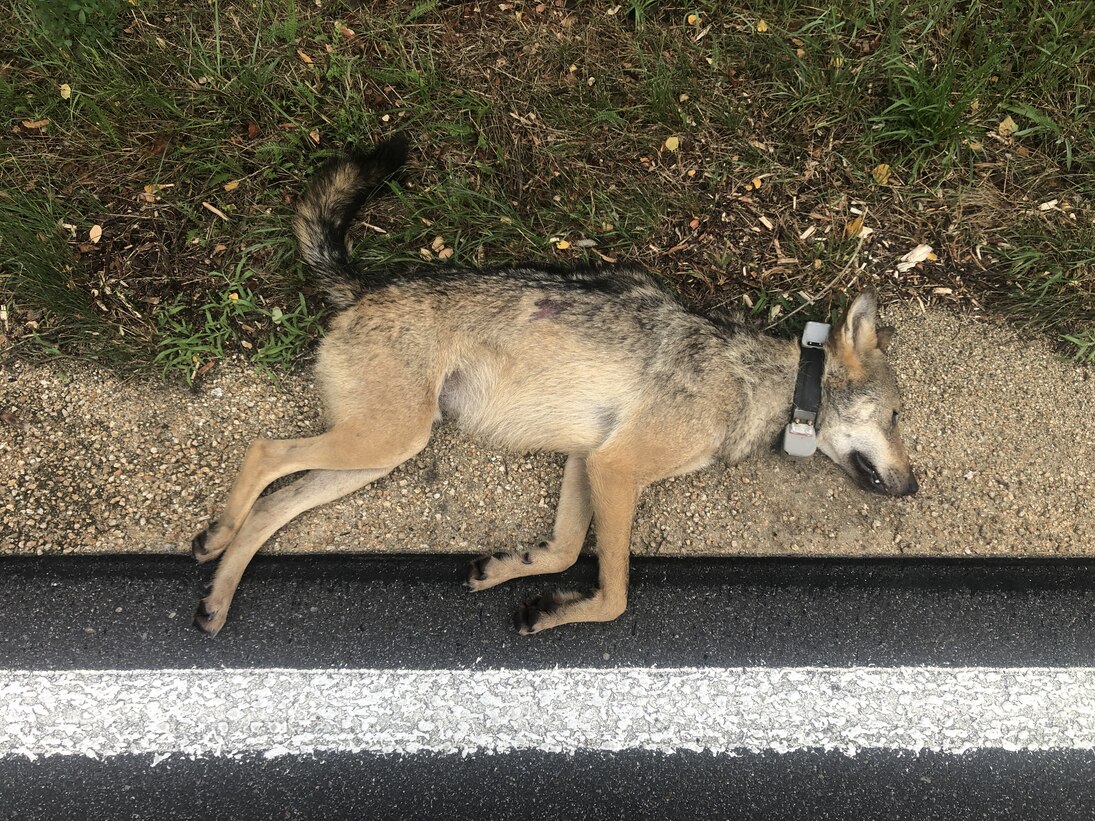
328	207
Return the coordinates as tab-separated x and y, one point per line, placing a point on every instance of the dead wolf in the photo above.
602	365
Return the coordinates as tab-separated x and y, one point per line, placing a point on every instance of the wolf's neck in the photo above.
762	372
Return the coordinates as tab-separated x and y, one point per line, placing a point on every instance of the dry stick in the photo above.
826	289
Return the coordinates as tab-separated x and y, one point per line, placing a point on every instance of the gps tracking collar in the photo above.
800	435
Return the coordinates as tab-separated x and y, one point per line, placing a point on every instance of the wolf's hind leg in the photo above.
572	518
350	445
270	514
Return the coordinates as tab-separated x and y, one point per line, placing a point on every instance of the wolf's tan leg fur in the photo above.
270	514
350	445
572	517
614	489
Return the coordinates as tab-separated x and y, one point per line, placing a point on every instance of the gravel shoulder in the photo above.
998	426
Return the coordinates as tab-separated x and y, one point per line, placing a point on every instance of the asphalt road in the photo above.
827	689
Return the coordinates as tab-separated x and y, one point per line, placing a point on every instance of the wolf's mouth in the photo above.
868	475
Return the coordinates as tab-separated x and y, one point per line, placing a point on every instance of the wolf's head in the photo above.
861	405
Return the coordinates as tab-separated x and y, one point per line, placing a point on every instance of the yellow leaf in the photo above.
96	233
881	173
853	228
304	57
672	143
34	125
562	245
66	91
234	296
762	26
1007	127
693	19
444	253
757	182
232	185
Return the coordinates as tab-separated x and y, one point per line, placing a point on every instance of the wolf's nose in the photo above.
911	486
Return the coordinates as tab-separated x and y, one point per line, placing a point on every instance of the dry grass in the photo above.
541	129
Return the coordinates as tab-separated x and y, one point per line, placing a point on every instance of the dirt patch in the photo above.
93	463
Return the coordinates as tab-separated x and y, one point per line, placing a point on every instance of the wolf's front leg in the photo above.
572	518
614	492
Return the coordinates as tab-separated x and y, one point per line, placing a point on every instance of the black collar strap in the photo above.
800	435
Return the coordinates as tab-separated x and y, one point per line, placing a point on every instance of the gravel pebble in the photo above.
998	426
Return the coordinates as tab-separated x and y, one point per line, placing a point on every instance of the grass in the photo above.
188	128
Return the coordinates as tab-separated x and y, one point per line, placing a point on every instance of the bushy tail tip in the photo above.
327	209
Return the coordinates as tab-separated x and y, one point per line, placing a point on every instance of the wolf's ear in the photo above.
885	336
857	331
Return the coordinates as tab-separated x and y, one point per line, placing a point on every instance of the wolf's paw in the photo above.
487	571
210	617
543	611
200	546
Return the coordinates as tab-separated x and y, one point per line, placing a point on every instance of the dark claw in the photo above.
197	544
202	616
477	568
499	554
528	614
527	558
524	618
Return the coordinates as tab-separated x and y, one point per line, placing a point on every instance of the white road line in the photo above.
278	712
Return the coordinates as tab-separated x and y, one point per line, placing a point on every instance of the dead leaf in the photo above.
252	130
1007	127
942	291
853	228
210	207
915	257
562	245
157	187
346	32
672	143
757	182
246	344
66	91
881	173
96	233
425	252
445	253
314	135
438	243
304	58
232	185
693	19
767	223
1048	206
206	368
36	125
694	224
